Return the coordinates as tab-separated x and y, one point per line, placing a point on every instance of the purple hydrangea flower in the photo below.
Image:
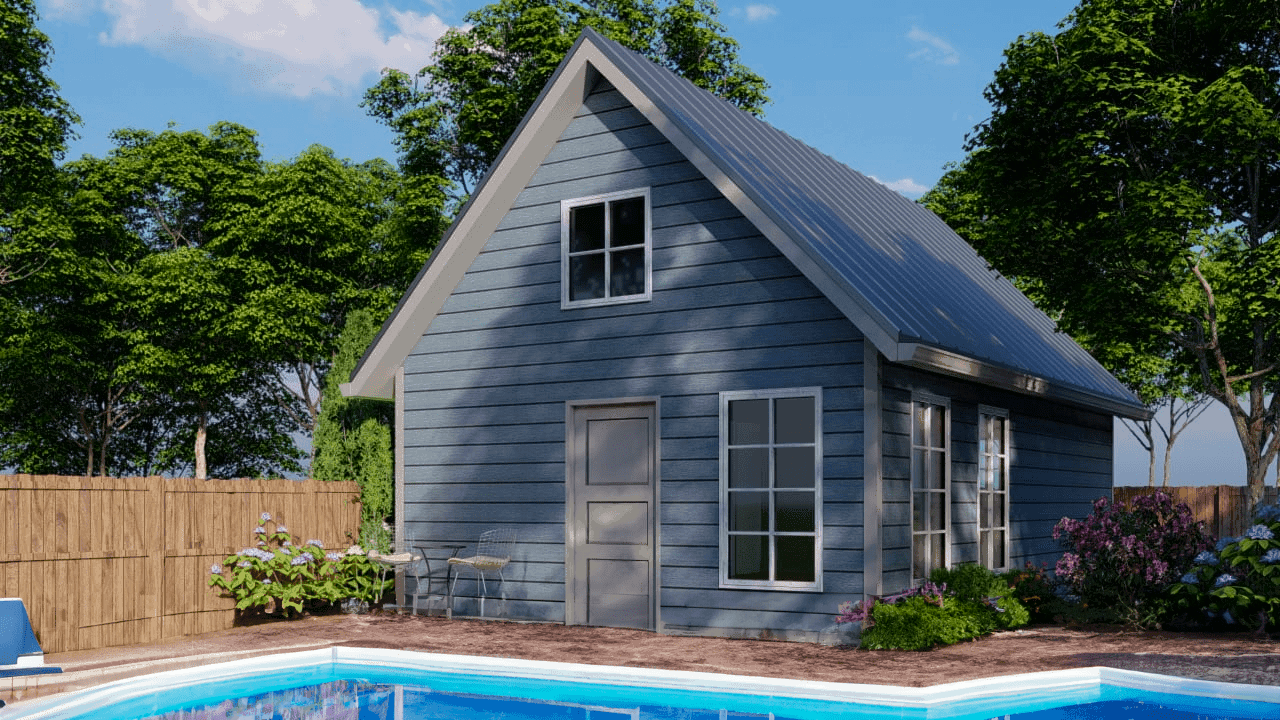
1259	532
300	560
1226	615
244	563
1268	513
215	569
281	529
266	581
286	543
334	556
1223	542
1224	579
1190	579
316	543
264	517
1206	558
260	530
1271	556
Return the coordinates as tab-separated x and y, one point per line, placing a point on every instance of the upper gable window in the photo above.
606	249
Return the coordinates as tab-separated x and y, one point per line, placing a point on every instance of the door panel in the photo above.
612	454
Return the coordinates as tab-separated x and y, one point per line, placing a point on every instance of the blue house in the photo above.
717	381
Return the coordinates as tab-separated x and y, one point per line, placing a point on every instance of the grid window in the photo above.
771	489
993	488
606	249
930	486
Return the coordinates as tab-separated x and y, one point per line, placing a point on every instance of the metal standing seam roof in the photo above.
927	283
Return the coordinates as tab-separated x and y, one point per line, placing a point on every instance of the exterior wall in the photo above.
486	387
1060	462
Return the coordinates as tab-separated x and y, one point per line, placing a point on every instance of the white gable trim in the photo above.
538	134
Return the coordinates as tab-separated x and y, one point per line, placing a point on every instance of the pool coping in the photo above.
935	696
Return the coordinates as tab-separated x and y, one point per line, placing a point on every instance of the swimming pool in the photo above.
360	684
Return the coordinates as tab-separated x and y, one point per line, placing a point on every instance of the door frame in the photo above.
570	529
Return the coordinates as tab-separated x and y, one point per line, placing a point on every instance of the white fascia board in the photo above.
538	135
945	362
866	318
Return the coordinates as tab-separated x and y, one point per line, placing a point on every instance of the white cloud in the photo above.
905	186
758	13
295	47
932	48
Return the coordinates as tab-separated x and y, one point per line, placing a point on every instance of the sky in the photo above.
888	88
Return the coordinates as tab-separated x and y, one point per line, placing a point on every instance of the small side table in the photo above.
448	573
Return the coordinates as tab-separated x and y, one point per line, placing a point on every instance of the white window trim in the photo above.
725	397
948	536
565	207
985	411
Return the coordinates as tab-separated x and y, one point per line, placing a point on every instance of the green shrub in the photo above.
974	583
1239	584
279	575
1034	588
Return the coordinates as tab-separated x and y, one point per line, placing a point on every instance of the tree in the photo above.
316	239
353	435
35	126
1128	176
452	118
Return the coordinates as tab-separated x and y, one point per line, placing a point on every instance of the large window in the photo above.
930	485
605	249
771	489
993	487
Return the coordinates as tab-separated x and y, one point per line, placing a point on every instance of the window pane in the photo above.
919	546
936	555
628	222
793	420
586	277
795	559
997	474
984	548
919	506
586	228
748	422
749	468
918	468
983	464
998	547
997	519
937	424
937	467
937	511
794	467
920	424
749	557
793	512
748	511
626	273
999	435
984	510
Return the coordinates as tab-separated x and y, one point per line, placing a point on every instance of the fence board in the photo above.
1223	508
111	561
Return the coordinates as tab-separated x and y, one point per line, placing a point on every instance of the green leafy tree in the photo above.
353	435
35	126
452	118
1128	176
317	238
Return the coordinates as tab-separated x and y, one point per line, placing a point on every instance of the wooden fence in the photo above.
1224	508
117	561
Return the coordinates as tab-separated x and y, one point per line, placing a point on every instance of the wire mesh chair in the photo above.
492	555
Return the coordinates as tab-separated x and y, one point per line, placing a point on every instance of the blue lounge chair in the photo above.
20	652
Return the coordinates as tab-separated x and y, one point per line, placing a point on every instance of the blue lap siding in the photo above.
485	388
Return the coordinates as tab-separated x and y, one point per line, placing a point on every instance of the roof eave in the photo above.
933	359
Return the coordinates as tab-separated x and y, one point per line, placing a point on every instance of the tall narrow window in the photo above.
605	249
771	489
930	485
993	488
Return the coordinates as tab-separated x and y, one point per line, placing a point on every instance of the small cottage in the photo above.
718	382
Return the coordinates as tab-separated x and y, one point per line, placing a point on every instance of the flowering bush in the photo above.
1240	584
1122	557
290	577
1034	588
932	614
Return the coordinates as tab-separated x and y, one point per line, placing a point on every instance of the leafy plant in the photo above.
278	575
1034	587
1122	557
936	614
1239	584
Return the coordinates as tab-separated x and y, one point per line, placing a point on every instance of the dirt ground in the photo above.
1239	658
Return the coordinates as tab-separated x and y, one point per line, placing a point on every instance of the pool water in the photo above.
354	691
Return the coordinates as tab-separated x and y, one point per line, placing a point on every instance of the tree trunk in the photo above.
202	432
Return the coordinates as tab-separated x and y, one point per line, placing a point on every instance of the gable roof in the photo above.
919	293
